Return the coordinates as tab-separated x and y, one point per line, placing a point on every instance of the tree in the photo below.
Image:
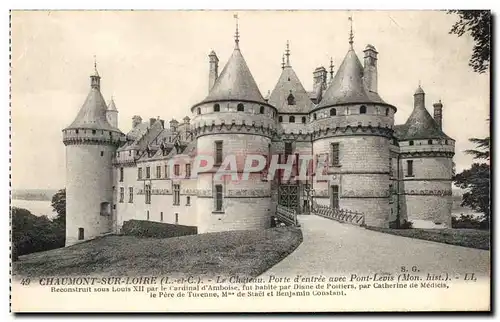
59	206
477	182
477	23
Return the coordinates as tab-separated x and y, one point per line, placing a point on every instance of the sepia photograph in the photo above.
301	161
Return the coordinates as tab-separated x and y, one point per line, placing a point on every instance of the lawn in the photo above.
472	238
242	253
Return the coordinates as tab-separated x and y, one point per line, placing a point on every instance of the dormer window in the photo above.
292	119
362	109
291	99
333	112
240	108
216	108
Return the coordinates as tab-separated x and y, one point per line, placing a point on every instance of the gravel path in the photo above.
330	247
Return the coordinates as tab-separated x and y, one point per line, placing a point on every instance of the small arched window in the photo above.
280	118
76	131
292	119
216	108
333	112
240	108
410	143
262	110
198	111
387	111
429	142
291	99
93	131
446	142
303	120
362	109
314	116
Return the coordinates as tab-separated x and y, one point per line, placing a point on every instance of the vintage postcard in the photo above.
250	161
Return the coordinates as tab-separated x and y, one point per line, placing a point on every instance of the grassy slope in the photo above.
472	238
242	253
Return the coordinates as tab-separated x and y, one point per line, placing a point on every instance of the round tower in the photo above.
232	123
91	142
352	128
426	162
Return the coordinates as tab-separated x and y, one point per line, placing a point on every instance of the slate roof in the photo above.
420	125
347	85
235	82
289	83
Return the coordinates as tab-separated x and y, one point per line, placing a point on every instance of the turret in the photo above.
91	143
136	120
438	114
173	125
214	69
419	98
370	69
112	113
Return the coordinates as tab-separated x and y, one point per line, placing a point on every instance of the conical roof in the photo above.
235	82
289	83
420	125
92	114
348	86
111	105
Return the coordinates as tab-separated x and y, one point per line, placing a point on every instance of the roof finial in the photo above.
351	35
237	33
331	67
95	66
287	53
283	61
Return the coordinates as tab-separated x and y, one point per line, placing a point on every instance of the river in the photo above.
36	207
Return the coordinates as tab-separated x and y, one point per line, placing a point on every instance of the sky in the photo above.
155	63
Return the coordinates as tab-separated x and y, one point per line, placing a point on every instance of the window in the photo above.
177	191
167	173
148	194
410	143
304	120
240	108
158	172
292	119
130	194
176	169
81	234
102	153
148	172
198	111
76	131
93	131
218	152
429	142
129	153
335	154
176	218
161	216
262	110
147	215
139	173
105	209
288	148
122	194
335	197
291	99
188	170
121	174
333	112
188	201
446	142
409	168
218	197
390	167
387	111
362	109
216	108
314	116
280	119
390	194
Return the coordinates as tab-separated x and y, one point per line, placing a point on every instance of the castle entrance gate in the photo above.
288	196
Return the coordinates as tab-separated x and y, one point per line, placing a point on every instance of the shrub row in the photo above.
144	228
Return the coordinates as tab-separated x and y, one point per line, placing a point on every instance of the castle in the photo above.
388	172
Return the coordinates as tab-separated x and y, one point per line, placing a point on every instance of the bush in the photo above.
469	222
144	228
404	225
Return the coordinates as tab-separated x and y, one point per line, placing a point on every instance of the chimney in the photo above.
136	120
214	69
438	114
186	119
319	81
419	98
173	125
370	68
